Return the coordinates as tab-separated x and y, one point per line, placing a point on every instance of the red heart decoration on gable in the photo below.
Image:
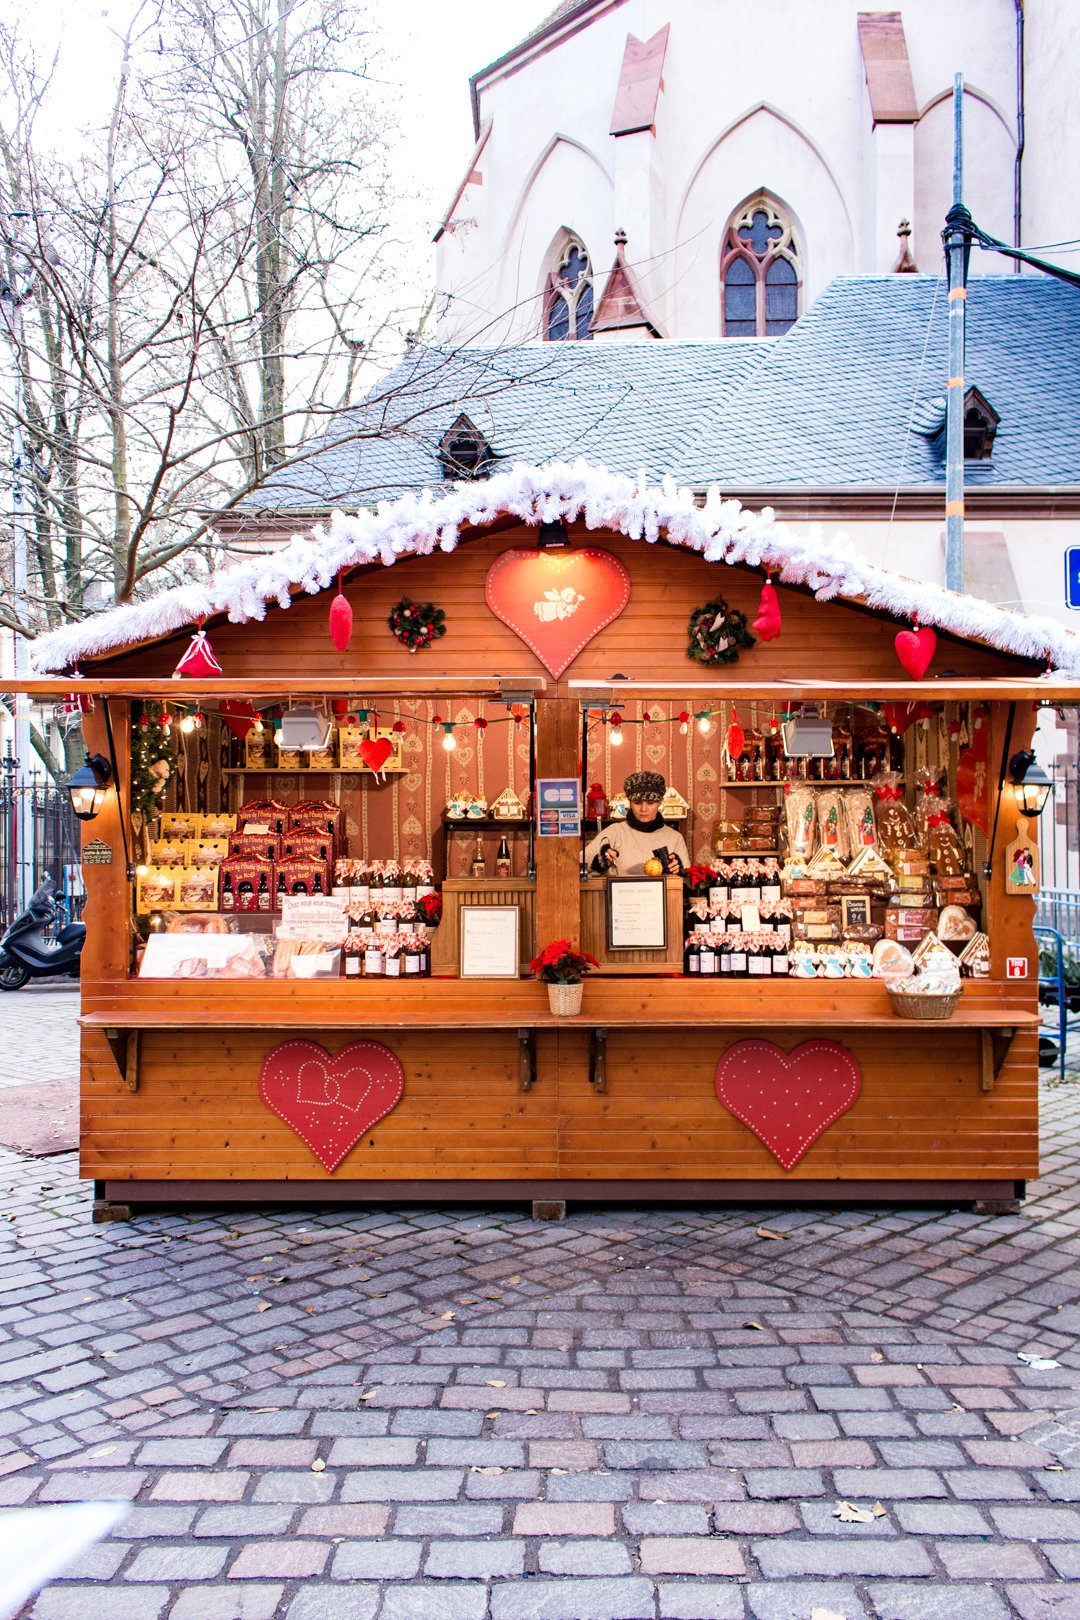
330	1102
557	601
915	649
376	753
787	1099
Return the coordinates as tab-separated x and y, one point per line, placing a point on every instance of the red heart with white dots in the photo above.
788	1098
330	1102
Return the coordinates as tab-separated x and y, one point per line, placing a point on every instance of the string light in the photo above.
187	724
449	741
616	731
704	723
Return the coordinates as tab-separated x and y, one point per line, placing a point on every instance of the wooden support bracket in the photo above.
995	1045
124	1045
598	1059
527	1058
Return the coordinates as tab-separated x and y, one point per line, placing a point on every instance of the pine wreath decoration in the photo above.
153	761
417	624
717	634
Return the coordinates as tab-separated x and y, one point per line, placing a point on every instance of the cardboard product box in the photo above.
156	889
299	874
906	924
805	889
815	931
350	738
197	889
217	825
241	876
319	815
312	846
169	852
180	824
268	814
320	759
206	851
913	899
260	753
265	846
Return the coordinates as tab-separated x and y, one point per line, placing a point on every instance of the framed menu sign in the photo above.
489	942
637	914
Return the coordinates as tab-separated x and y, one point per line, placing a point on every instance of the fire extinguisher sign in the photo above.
1016	967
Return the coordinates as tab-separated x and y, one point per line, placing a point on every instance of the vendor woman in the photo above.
625	846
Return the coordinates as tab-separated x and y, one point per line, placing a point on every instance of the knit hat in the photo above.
646	787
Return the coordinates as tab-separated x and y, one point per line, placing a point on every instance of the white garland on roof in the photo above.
417	525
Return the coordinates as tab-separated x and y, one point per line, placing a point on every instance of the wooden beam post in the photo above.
558	883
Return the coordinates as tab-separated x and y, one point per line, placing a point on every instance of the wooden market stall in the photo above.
652	1091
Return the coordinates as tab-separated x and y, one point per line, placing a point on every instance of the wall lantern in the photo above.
1030	782
88	787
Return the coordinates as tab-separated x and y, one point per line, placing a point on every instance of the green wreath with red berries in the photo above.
417	624
716	634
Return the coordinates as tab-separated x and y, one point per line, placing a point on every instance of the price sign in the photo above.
1016	967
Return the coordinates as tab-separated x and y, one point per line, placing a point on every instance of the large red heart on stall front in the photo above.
557	601
331	1101
787	1099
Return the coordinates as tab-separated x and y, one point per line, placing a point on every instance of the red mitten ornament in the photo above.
340	621
767	624
735	742
199	660
915	648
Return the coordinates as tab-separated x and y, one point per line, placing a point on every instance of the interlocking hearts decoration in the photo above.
915	648
787	1099
376	753
330	1102
557	601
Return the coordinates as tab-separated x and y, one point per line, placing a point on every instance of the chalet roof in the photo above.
846	399
418	525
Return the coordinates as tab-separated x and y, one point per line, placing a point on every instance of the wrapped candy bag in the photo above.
928	796
862	828
801	812
832	821
895	828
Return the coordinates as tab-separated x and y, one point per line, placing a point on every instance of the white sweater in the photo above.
634	848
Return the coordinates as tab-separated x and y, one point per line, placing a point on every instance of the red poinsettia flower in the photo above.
560	963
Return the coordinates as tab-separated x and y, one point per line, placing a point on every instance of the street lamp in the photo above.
87	788
1030	782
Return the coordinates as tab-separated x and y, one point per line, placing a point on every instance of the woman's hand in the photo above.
674	865
611	859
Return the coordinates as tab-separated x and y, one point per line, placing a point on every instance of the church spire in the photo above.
620	313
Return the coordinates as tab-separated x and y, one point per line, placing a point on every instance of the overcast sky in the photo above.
436	44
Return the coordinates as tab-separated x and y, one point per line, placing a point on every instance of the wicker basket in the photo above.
565	999
908	1005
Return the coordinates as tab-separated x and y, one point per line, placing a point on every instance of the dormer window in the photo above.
980	424
464	452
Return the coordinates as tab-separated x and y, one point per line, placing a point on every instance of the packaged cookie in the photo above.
862	828
801	810
928	798
943	844
895	827
832	821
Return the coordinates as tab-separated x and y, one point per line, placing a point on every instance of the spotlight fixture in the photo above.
553	537
808	735
306	728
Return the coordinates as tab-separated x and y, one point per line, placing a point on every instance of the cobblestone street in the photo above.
421	1415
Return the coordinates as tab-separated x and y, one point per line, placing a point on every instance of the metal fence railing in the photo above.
1059	830
38	811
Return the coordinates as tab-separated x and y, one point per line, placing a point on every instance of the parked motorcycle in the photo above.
24	953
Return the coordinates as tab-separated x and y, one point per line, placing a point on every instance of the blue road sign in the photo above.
1072	577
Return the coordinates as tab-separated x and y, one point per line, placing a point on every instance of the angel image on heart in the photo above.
558	604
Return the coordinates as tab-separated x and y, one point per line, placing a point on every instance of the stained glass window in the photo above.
759	271
568	306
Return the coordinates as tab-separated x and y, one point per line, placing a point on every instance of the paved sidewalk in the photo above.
419	1415
39	1038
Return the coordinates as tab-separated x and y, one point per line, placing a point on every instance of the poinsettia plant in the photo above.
560	963
430	909
699	877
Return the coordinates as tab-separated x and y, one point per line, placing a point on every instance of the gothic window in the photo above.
759	272
568	304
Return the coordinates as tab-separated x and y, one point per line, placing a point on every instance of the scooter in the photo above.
24	955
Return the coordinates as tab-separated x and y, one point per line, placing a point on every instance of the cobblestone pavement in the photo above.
39	1038
420	1415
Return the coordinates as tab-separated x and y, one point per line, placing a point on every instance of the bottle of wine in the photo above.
262	899
228	899
478	868
502	858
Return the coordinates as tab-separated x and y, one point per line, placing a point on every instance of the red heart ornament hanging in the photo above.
375	752
330	1102
556	602
767	624
238	715
788	1099
199	660
915	648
